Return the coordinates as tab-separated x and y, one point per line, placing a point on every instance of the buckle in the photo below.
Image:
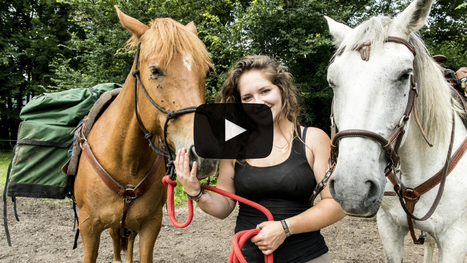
130	194
403	121
411	195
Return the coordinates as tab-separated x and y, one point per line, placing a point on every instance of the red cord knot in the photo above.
166	180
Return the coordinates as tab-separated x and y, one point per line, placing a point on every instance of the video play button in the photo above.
233	131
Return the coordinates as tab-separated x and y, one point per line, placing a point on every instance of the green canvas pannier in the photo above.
44	140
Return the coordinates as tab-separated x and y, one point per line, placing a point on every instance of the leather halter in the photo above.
399	130
170	115
408	197
394	138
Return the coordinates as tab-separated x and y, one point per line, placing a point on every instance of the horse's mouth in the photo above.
358	209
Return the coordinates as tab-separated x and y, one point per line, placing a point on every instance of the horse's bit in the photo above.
130	192
408	197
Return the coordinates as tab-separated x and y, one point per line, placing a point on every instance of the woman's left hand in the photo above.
271	236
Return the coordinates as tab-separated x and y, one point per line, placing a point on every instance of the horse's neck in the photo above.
121	139
419	162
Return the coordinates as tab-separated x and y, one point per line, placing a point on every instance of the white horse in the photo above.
371	76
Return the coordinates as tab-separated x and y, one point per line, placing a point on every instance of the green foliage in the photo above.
180	194
97	54
30	38
5	158
445	31
54	45
296	34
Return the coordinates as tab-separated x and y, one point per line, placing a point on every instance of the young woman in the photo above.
282	182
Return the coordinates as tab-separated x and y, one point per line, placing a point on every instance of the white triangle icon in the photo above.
232	130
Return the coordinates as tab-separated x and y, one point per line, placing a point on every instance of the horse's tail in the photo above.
123	244
127	238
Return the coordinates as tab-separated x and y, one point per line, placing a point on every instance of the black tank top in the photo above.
285	190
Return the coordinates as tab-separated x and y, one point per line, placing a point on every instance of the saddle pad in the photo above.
71	167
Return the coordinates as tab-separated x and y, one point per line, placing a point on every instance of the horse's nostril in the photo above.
372	194
192	153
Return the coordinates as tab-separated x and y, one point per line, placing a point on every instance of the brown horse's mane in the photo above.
166	37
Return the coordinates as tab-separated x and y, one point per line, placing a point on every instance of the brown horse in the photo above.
172	64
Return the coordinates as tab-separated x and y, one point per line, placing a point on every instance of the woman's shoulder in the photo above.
317	143
314	134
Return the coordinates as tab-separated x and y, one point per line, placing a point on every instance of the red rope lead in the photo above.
171	204
239	239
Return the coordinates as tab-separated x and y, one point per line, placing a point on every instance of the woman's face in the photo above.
254	87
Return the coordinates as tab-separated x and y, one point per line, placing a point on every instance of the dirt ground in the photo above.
45	234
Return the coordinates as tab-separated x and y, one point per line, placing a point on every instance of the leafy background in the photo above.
54	45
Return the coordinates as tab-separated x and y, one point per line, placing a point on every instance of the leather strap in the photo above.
403	42
129	192
365	47
408	197
435	179
394	138
364	50
108	180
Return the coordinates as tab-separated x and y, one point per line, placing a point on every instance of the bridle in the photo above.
130	192
408	197
170	115
397	134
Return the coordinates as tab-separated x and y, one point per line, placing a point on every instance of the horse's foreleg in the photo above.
451	244
90	235
392	237
429	247
115	234
147	238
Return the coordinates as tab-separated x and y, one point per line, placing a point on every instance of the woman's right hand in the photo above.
186	176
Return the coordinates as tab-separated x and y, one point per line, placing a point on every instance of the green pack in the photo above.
44	140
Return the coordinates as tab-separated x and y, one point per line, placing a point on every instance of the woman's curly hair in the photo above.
274	72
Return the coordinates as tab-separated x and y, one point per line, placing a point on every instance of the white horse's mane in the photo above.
434	104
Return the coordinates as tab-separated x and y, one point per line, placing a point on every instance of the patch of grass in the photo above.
5	158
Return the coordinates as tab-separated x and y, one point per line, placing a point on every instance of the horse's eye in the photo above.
405	76
155	72
331	84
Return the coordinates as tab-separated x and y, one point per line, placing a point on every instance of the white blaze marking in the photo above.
187	62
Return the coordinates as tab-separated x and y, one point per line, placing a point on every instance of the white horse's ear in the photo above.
414	16
132	24
191	26
338	30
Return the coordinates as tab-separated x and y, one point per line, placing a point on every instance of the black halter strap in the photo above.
170	115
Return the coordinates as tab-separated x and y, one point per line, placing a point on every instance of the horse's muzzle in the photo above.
206	167
358	194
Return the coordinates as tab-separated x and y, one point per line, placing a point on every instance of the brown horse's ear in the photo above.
132	24
191	26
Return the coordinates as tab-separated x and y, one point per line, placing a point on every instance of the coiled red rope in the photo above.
239	239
